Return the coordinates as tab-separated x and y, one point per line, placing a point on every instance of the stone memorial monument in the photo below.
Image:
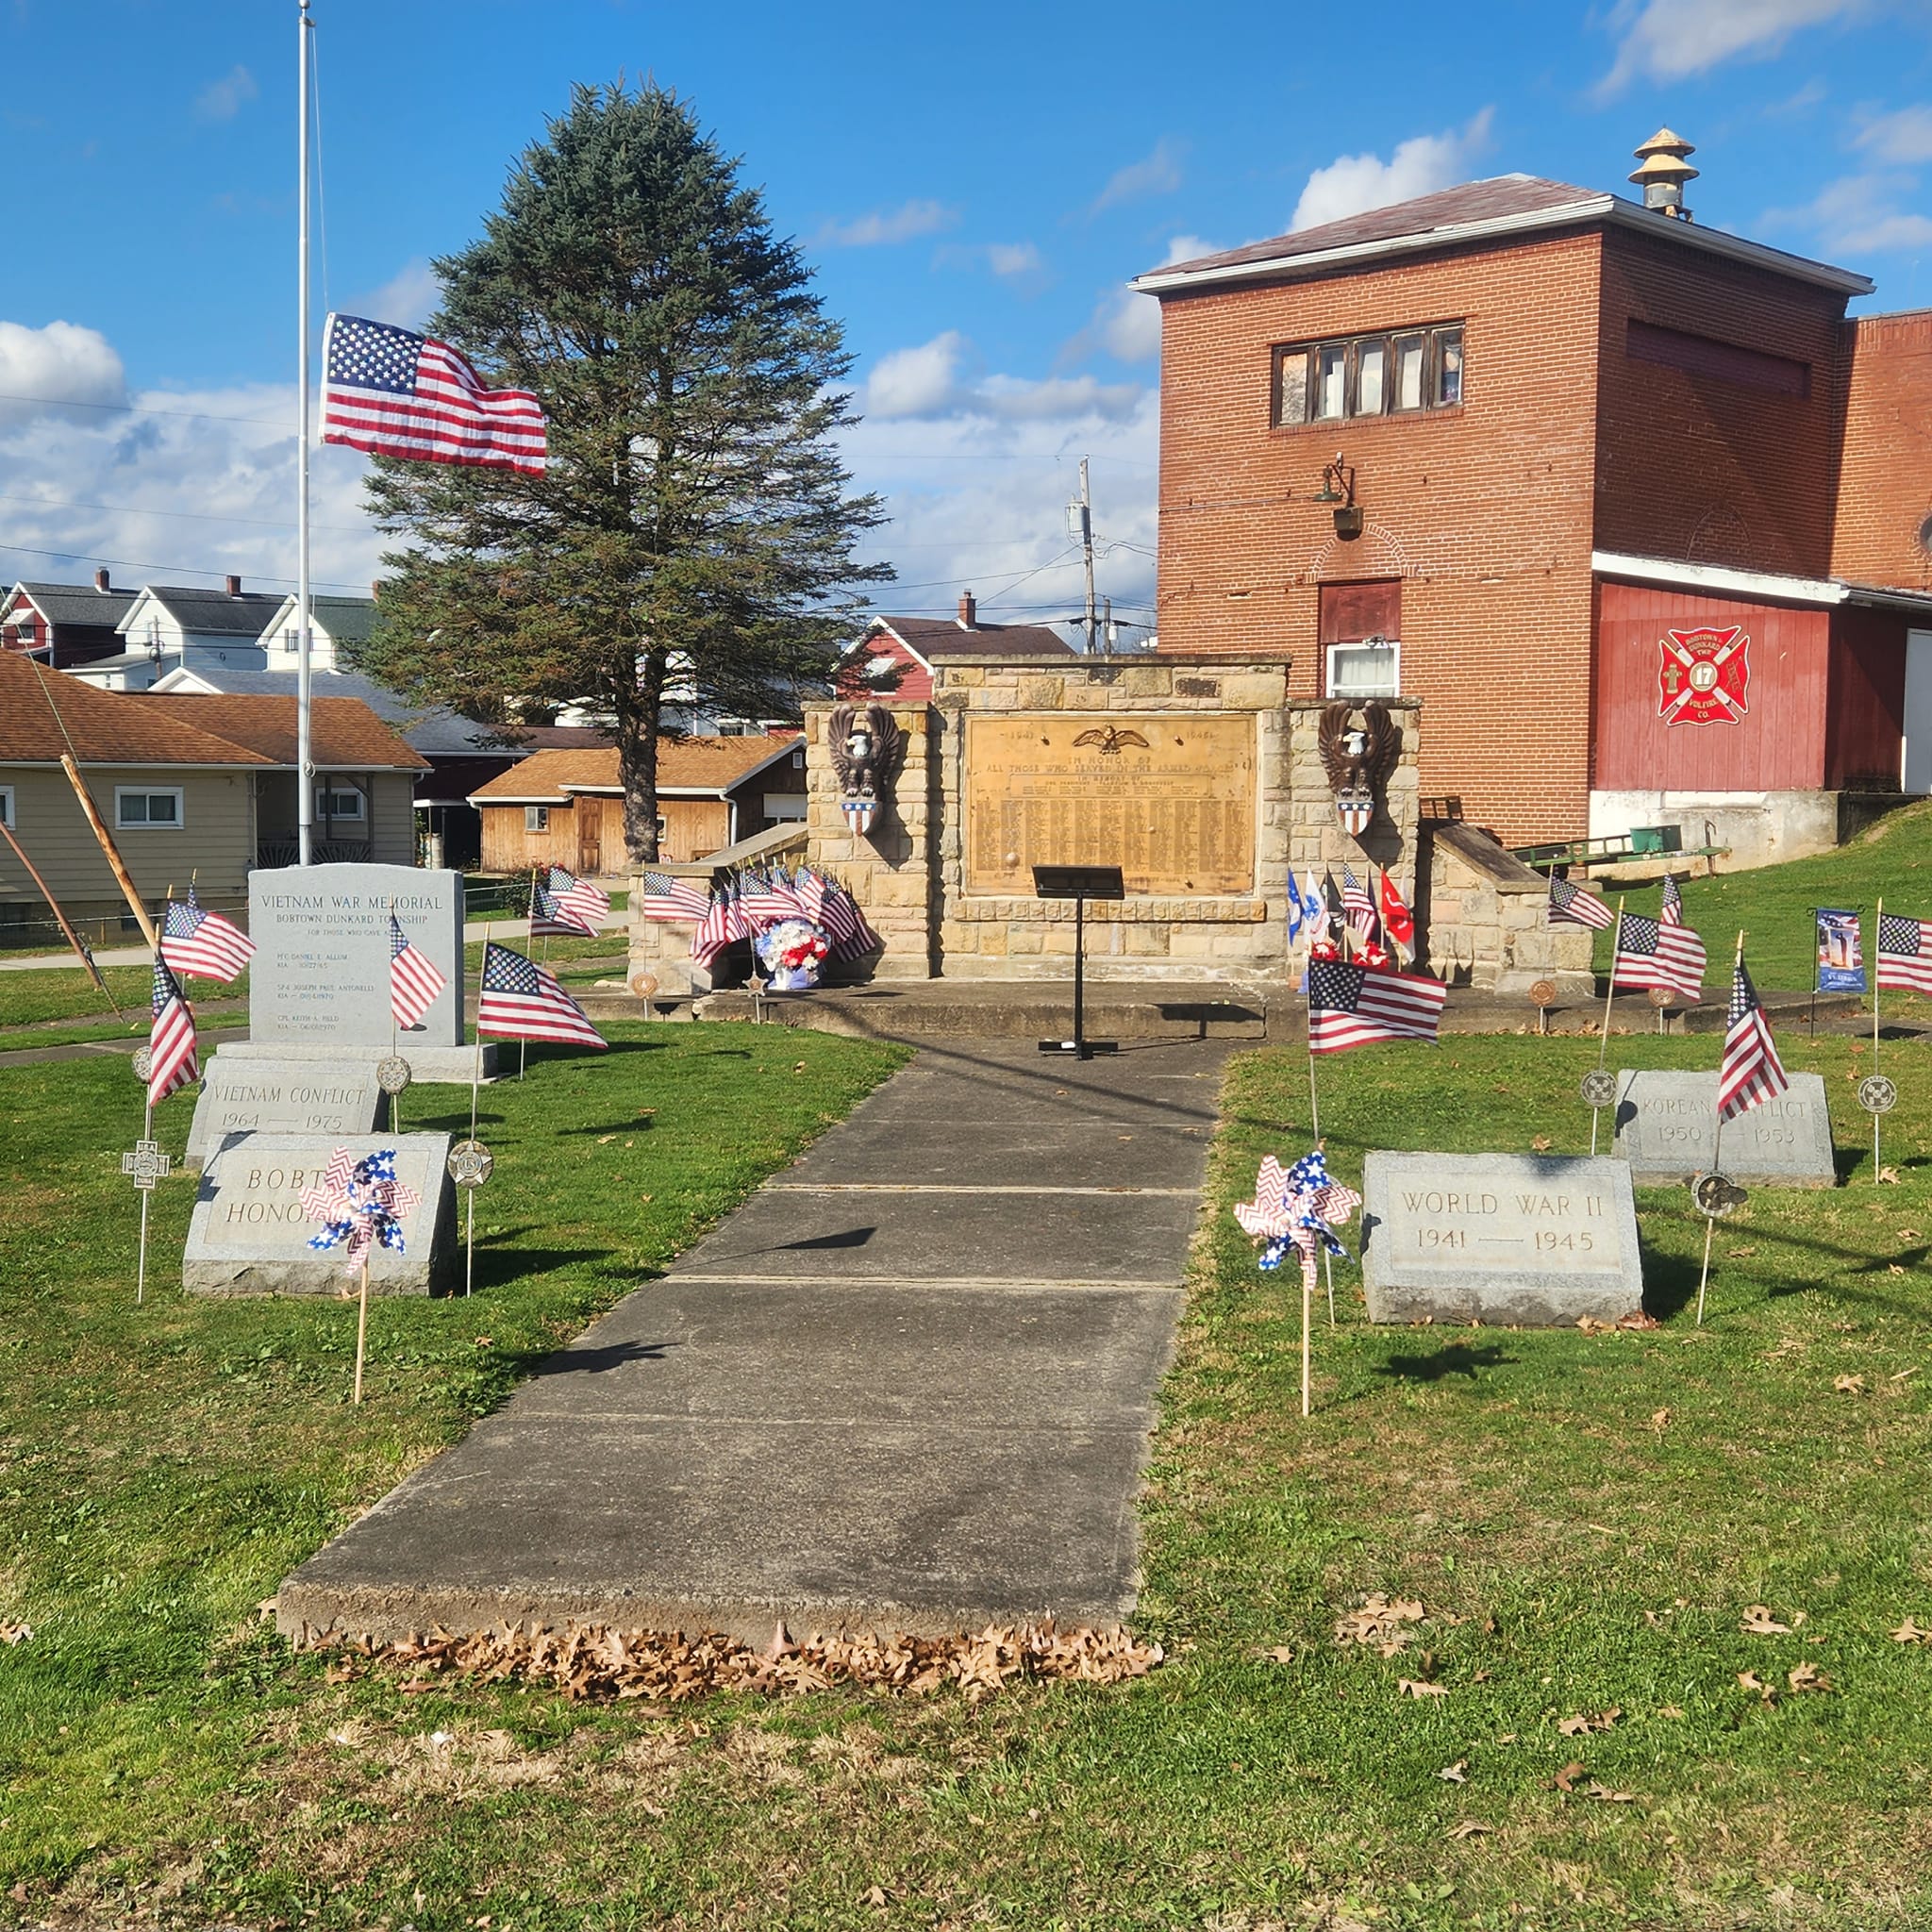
1507	1239
1667	1132
249	1233
318	986
245	1095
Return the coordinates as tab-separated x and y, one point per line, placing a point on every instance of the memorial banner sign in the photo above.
1168	798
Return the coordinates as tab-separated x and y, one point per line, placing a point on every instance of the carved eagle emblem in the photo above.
866	748
1111	739
1358	759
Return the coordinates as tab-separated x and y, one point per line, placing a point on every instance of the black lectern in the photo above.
1079	883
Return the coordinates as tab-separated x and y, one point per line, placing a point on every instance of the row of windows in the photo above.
1392	373
161	809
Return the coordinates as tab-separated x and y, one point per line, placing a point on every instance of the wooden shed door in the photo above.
590	818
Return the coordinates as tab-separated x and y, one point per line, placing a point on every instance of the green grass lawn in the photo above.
1585	1521
1891	859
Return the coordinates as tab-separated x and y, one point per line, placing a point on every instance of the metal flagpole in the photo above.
1879	917
1717	1138
304	790
1611	992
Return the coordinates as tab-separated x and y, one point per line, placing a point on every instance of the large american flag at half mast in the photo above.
1905	953
1572	905
1353	1005
519	1000
395	393
1649	953
414	977
1751	1072
170	1040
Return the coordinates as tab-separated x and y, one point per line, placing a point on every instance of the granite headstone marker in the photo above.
248	1095
249	1234
1667	1131
319	981
1529	1241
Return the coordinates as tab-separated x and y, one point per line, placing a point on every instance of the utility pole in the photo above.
1086	509
1106	626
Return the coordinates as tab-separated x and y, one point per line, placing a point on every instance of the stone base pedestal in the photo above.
429	1066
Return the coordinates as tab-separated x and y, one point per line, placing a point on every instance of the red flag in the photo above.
1398	922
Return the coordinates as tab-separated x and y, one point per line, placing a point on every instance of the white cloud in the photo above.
1421	165
1013	261
1668	40
1862	214
223	99
883	226
1902	138
978	476
1127	324
1158	173
183	486
41	368
408	298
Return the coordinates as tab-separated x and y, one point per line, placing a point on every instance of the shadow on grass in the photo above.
1452	1358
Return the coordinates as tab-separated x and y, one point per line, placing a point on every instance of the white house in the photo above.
333	622
168	628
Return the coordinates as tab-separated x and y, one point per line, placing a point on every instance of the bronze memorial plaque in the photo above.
1170	799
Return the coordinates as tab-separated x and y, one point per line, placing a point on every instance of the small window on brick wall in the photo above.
1369	375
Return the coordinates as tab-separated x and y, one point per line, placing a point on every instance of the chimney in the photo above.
1662	172
375	592
969	611
102	581
234	587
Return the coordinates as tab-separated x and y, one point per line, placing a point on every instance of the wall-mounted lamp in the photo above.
1338	489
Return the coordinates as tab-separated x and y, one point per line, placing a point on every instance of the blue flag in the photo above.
1296	910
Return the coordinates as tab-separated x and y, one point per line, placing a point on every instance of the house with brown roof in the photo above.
189	786
895	656
566	807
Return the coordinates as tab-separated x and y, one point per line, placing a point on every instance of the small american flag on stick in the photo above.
194	941
1354	1006
666	896
1359	908
1649	953
1572	905
1671	911
414	978
1905	953
395	393
519	1000
1750	1073
170	1040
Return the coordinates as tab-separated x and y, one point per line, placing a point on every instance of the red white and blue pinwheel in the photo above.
1296	1208
360	1204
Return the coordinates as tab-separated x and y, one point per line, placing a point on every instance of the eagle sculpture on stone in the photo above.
1358	760
867	748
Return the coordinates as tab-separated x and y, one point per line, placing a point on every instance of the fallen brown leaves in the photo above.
1848	1385
1758	1622
14	1632
592	1661
1469	1827
1909	1632
1581	1725
1413	1687
1635	1320
1801	1678
1379	1621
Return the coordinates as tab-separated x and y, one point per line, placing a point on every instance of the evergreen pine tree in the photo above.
693	531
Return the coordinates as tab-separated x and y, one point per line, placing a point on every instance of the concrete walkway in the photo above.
908	1386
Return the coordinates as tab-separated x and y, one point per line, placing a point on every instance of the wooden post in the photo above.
1610	993
361	1326
73	940
114	860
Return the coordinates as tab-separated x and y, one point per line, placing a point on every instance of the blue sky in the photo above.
972	185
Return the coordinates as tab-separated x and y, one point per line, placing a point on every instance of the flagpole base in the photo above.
1080	1049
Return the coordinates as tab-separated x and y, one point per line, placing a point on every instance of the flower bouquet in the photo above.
791	953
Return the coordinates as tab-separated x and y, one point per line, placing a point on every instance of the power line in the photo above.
188	570
200	516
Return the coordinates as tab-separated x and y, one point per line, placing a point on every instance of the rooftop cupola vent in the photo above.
1662	173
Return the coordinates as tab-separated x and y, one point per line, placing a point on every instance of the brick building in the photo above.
1633	507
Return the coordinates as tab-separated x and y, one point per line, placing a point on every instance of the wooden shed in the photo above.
566	808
